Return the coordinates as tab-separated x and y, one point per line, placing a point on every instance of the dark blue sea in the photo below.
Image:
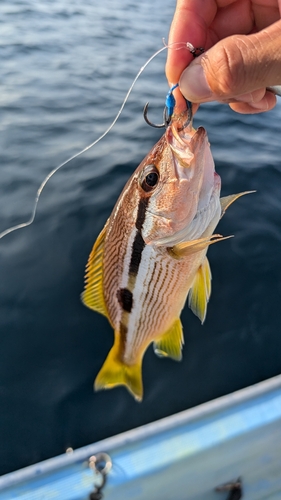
65	69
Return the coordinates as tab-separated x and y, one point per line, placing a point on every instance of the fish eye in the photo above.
149	178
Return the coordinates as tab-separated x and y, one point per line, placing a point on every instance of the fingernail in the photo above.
193	84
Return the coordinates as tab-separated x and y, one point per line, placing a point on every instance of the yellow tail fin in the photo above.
115	372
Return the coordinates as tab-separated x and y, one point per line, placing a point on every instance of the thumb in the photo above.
238	68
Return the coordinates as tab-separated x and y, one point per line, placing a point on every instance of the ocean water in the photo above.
65	69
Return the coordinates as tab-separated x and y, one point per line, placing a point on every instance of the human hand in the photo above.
242	40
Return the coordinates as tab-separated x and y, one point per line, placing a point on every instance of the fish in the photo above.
151	254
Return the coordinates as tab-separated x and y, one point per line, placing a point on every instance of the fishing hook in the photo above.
170	100
160	125
167	117
168	110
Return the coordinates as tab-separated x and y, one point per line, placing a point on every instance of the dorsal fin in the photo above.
93	296
200	291
170	343
226	201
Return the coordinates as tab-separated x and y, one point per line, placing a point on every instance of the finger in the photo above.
190	24
244	17
235	66
203	23
265	104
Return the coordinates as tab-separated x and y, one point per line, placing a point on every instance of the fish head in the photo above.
178	185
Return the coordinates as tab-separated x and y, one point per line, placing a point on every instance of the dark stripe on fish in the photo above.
141	213
124	295
139	243
123	330
137	249
125	299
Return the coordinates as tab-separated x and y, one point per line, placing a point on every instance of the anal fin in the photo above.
170	343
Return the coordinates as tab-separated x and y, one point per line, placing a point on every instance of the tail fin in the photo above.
115	372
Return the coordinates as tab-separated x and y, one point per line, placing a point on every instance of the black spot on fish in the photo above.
125	299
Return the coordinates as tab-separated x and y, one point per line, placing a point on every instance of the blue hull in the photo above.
181	457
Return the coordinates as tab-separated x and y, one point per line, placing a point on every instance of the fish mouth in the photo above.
179	140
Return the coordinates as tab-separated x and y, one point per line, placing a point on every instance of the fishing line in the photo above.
179	45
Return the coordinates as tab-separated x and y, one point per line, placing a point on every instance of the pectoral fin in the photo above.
189	247
200	291
170	343
92	296
226	201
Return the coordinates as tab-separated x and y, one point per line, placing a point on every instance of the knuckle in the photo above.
225	68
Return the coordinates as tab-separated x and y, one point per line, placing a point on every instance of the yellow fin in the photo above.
189	247
170	344
200	291
92	296
115	372
226	201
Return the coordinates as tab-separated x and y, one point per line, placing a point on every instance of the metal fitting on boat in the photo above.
234	488
101	464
